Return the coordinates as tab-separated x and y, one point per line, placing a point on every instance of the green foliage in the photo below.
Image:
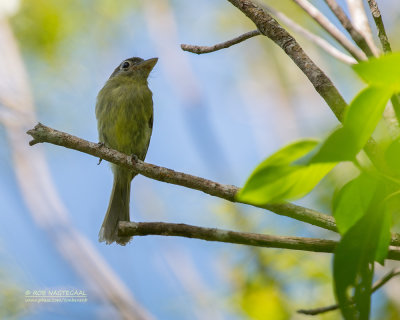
363	207
364	241
352	201
278	178
360	121
383	71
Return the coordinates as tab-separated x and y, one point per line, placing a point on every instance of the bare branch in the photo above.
378	284
228	236
322	43
219	46
331	29
346	23
42	134
376	14
361	23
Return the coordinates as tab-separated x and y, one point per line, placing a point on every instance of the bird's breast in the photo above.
123	114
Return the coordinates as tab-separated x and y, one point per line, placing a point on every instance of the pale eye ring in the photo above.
125	65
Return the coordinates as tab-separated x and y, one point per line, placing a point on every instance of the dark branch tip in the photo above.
33	142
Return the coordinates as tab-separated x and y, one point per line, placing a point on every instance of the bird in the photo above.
124	112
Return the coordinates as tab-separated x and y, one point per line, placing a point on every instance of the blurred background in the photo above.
216	116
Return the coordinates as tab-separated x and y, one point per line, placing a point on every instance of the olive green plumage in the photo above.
124	113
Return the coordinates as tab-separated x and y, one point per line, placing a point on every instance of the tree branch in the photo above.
331	29
322	43
269	27
219	46
376	14
41	134
229	236
378	284
346	23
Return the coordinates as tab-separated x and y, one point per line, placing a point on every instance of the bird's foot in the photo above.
100	144
134	158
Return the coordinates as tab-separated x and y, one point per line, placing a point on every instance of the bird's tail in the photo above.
118	210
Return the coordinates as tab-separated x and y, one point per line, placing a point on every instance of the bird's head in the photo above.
135	68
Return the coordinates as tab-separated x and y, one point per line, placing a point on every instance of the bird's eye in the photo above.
125	65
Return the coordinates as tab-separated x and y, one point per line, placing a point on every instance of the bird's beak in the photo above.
148	65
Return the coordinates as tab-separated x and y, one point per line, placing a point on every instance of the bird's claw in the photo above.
134	158
100	144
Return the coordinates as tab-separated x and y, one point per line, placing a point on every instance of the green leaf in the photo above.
290	153
365	242
276	179
383	71
352	201
360	120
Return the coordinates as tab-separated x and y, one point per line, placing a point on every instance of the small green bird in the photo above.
124	112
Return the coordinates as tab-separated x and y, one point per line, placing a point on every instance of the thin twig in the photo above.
360	22
219	46
378	284
331	29
316	311
41	134
381	282
376	14
346	23
229	236
322	43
